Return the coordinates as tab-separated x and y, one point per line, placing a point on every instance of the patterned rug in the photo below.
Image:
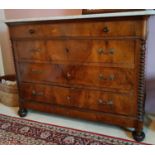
19	131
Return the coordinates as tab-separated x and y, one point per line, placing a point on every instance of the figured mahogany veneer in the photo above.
119	103
76	28
88	68
79	74
120	52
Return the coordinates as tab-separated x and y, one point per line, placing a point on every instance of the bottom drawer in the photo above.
80	98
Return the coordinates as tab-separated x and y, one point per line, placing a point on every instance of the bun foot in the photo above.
22	112
138	136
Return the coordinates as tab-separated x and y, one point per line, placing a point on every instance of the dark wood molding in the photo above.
95	11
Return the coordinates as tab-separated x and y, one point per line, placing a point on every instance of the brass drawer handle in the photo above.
34	93
101	77
110	102
100	51
35	50
105	29
112	77
37	71
101	101
111	51
31	31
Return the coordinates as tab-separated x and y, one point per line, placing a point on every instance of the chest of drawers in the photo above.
84	68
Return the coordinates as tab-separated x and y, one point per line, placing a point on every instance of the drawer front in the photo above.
108	27
117	52
84	99
31	50
78	75
110	51
27	31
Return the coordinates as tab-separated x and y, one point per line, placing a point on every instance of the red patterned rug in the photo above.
19	131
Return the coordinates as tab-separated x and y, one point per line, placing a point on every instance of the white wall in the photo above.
29	13
6	53
1	60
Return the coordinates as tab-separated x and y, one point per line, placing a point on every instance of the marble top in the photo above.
89	16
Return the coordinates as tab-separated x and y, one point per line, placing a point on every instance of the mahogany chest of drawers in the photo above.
83	68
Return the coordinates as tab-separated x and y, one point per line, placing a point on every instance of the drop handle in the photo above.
110	102
101	77
112	77
106	29
35	50
111	51
100	51
37	71
34	93
101	101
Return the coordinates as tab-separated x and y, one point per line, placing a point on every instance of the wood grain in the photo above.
90	69
98	76
90	28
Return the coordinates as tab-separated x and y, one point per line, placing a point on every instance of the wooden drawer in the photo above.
87	75
116	52
31	50
93	51
107	27
80	98
27	31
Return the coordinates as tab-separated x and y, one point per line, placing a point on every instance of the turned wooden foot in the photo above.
22	112
138	136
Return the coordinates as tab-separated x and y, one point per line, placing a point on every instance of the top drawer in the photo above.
107	28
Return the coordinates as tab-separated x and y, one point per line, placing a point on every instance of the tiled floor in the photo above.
110	130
